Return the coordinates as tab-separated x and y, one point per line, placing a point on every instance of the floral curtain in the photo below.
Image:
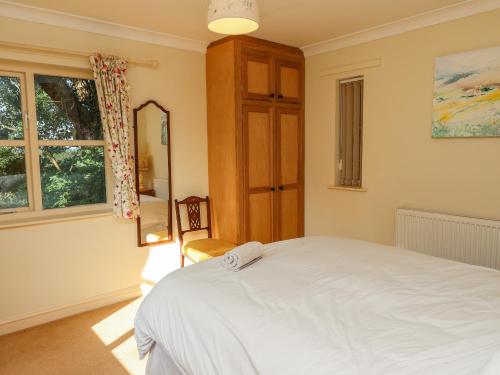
114	103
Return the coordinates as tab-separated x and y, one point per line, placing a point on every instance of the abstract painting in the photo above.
164	128
467	95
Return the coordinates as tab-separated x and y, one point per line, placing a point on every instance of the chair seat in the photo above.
200	250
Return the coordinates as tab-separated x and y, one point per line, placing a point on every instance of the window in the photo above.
350	132
51	143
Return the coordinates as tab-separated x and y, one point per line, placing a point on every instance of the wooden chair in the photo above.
201	249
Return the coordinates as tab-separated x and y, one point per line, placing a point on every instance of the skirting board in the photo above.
34	319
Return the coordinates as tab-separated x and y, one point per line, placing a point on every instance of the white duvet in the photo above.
325	305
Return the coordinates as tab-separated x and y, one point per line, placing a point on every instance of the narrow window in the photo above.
350	134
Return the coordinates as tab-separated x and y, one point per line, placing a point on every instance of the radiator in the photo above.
468	240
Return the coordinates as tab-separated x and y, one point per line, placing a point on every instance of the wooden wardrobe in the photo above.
255	91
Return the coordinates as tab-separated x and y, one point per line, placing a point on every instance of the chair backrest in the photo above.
194	216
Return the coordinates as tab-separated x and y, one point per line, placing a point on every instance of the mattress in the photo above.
325	305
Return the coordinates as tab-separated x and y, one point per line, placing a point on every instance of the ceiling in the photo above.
293	22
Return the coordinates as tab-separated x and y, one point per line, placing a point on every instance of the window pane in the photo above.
67	108
11	113
350	132
72	176
13	187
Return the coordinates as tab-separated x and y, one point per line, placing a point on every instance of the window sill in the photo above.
335	187
19	220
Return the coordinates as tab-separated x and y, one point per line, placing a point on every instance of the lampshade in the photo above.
143	161
233	17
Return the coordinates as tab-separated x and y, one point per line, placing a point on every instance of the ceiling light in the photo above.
233	17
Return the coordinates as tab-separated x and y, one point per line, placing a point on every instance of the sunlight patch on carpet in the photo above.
117	324
126	354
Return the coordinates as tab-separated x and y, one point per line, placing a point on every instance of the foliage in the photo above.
67	108
72	176
13	188
11	116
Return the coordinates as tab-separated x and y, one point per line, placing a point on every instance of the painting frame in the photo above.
466	97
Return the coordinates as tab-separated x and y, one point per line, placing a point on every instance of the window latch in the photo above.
27	120
340	164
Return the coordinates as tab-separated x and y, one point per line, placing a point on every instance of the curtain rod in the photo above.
69	53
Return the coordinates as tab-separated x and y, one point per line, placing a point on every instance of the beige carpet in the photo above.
99	342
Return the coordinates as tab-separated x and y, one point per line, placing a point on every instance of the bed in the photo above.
154	210
154	215
324	305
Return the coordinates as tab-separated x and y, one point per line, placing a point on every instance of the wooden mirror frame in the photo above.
136	163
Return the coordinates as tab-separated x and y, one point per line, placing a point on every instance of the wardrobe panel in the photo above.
289	214
260	217
257	76
290	183
222	151
258	128
289	138
289	81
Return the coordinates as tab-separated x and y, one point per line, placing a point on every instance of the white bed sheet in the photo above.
154	211
325	305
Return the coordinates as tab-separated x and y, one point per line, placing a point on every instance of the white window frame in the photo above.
35	212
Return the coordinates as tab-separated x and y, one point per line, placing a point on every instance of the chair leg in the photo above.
182	260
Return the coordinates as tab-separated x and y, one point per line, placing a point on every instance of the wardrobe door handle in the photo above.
272	188
271	95
281	187
280	96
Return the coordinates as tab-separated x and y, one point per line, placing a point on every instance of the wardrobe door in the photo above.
259	174
289	170
257	75
289	81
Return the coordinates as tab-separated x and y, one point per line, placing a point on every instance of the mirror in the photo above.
152	172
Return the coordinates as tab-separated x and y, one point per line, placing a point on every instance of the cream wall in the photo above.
402	165
50	266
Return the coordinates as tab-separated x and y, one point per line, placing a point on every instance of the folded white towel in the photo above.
242	255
